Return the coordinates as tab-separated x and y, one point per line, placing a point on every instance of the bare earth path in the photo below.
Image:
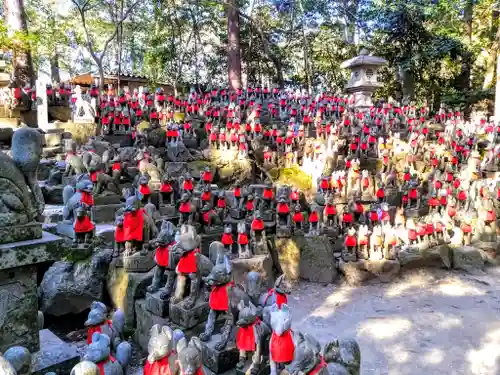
427	322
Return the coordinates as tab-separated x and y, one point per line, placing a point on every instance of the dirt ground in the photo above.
426	322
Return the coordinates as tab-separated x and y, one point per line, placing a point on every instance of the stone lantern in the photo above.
363	81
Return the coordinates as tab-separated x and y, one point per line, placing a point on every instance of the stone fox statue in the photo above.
161	350
251	335
166	259
337	357
21	199
191	264
99	352
224	299
189	357
97	321
74	197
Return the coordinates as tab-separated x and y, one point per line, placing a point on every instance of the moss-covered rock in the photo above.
293	176
289	257
317	263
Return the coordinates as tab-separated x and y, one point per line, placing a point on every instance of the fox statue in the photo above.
161	345
97	321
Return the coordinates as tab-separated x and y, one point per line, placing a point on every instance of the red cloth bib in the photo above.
283	208
380	193
185	207
160	367
243	239
237	192
322	364
466	228
116	166
227	239
268	194
350	241
257	224
145	190
280	298
412	234
282	347
219	298
187	263
188	185
162	255
249	206
347	218
83	225
298	217
313	218
119	236
133	224
330	210
166	187
245	338
100	365
87	199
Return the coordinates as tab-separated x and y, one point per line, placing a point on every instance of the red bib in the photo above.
313	218
280	298
133	223
245	338
119	236
187	263
145	190
322	364
350	241
166	187
116	166
92	330
160	367
185	207
162	255
101	364
257	224
243	239
83	225
283	208
282	347
298	217
227	239
330	210
219	298
188	185
87	199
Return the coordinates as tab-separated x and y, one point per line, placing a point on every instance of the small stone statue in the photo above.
313	222
167	190
227	238
251	336
281	345
99	352
257	230
164	258
243	244
185	210
144	189
161	345
74	198
189	357
16	361
298	220
97	321
351	245
119	236
209	218
277	295
83	225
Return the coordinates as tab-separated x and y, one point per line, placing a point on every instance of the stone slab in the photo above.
105	200
317	263
124	288
262	264
25	253
65	229
105	213
289	257
54	355
145	320
17	233
167	210
136	262
219	361
189	318
467	258
361	271
156	305
53	194
416	256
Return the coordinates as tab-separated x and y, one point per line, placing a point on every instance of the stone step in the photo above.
54	355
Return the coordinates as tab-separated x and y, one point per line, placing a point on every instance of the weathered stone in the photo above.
105	213
316	259
356	273
145	320
263	264
219	361
156	305
54	355
9	234
53	194
124	288
416	257
289	257
71	287
189	318
136	262
467	258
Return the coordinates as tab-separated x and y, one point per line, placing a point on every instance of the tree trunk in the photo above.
408	84
233	50
15	19
54	68
101	75
489	77
467	59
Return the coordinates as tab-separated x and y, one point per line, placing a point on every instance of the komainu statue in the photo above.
21	199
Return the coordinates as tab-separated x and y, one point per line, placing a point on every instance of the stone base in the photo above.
416	256
264	368
145	320
237	214
262	264
317	263
66	230
289	257
356	273
156	305
105	213
283	232
107	199
136	262
54	356
20	232
167	210
189	318
416	212
124	288
467	258
219	361
208	238
53	194
207	371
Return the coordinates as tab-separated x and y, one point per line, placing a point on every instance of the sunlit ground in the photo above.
427	322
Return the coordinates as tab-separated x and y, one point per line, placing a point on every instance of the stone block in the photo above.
317	263
167	211
419	256
289	257
219	361
106	232
54	355
189	318
18	233
145	320
156	305
65	229
124	288
361	271
53	194
136	262
105	213
208	238
262	264
467	258
107	199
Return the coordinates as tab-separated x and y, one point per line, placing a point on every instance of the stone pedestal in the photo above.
167	211
264	369
124	288
18	289
105	213
289	257
55	355
189	318
136	262
156	305
317	263
262	264
219	361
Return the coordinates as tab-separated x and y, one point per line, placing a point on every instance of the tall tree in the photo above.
15	17
233	45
